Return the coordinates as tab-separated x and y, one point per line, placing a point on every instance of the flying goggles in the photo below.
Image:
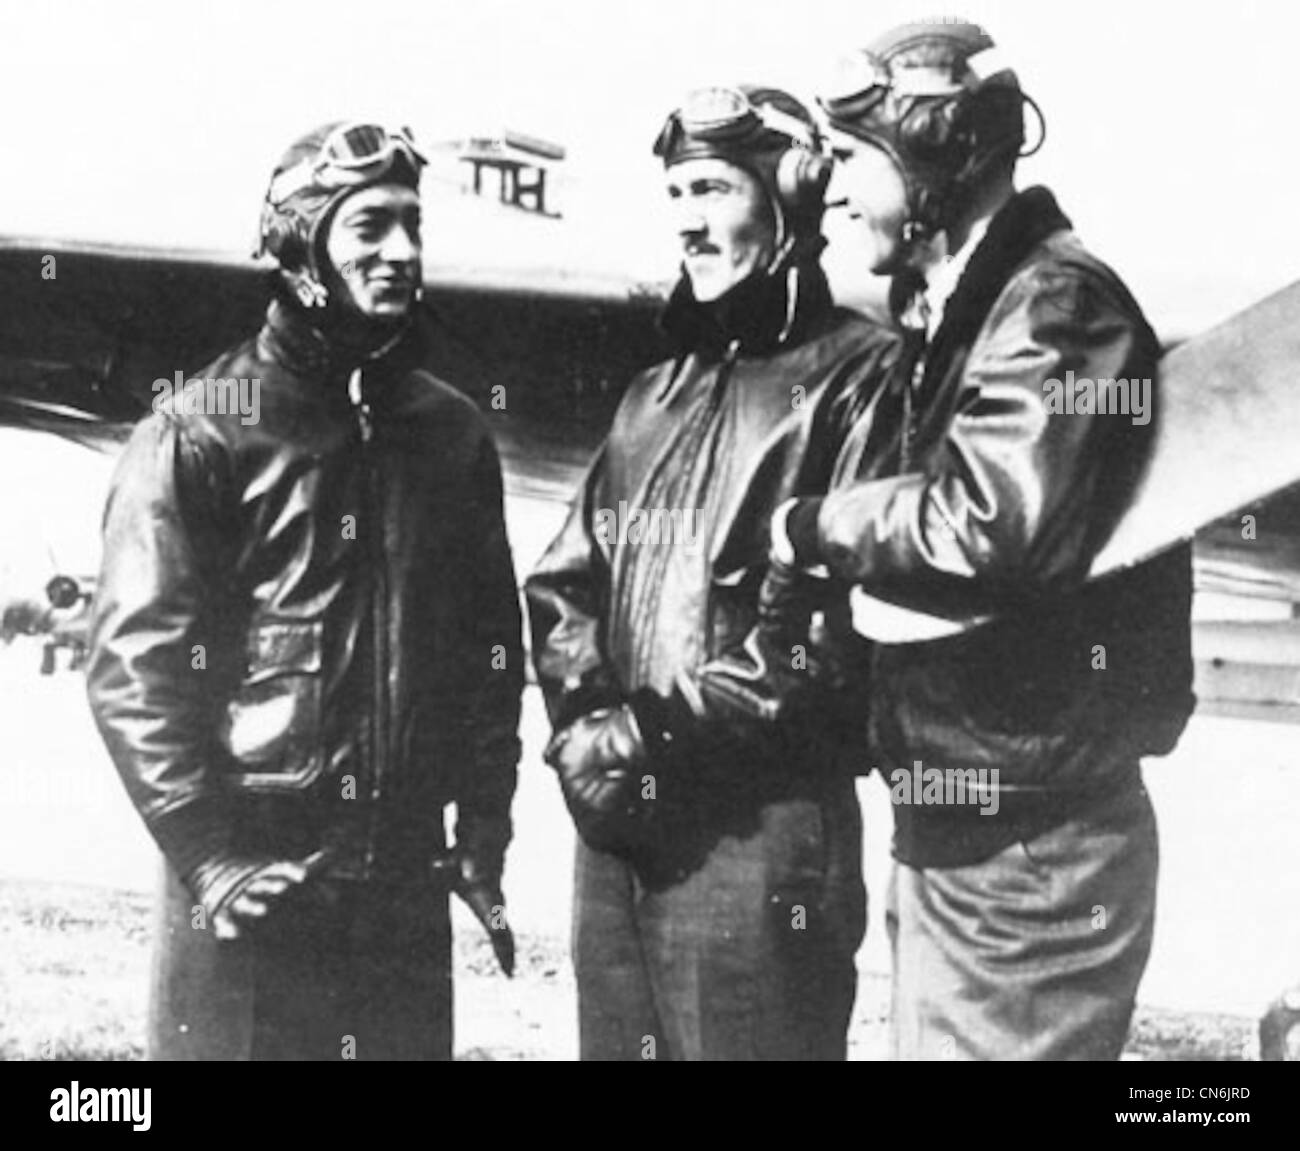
727	116
353	153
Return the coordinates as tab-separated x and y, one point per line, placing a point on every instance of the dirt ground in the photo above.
74	964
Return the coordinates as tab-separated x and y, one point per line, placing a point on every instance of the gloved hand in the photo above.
770	675
475	865
479	886
236	891
799	672
600	758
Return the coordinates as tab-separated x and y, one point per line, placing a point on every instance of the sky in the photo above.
1171	132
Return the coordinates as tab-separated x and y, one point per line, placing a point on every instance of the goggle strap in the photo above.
802	134
291	181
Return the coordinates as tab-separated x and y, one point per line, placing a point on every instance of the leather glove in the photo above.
238	890
794	670
600	758
769	676
479	888
476	863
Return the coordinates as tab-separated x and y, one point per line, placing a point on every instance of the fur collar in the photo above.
1023	223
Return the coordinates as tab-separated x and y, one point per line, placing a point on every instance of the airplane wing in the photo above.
87	328
1227	427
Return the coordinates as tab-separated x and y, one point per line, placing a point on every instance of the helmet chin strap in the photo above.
781	257
786	259
783	261
791	302
307	289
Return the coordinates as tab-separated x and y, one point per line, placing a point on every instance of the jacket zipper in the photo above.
911	393
696	487
378	574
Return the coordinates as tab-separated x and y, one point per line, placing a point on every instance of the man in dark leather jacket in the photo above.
719	899
306	643
1023	901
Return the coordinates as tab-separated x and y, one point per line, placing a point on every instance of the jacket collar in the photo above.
942	281
1024	222
288	338
758	315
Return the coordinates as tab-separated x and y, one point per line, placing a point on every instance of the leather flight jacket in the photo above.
306	636
658	567
961	491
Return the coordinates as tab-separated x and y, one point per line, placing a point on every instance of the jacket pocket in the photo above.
732	609
272	726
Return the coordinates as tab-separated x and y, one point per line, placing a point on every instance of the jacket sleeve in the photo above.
1017	498
567	594
152	656
492	717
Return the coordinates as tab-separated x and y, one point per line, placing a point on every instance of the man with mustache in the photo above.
719	899
306	643
1020	929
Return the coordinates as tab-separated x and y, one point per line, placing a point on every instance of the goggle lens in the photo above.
714	113
722	114
361	145
344	158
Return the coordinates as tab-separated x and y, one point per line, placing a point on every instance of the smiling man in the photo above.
719	898
1021	927
306	643
379	264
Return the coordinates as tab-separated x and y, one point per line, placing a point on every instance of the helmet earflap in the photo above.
932	128
801	179
284	236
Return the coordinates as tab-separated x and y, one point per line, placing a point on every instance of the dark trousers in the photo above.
1035	953
749	956
341	971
